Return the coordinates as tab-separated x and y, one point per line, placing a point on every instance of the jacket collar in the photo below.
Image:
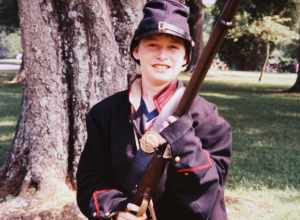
159	100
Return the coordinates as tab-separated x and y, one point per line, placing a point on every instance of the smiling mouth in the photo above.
161	66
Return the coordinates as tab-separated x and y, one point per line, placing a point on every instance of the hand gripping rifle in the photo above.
156	166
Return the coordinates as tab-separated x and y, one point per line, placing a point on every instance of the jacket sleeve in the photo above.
201	150
97	197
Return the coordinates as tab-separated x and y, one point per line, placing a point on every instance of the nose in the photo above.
162	54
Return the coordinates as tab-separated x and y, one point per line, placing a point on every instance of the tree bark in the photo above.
296	87
196	25
75	54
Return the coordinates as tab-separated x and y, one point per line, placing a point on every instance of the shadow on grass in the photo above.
7	129
265	167
4	148
10	107
10	96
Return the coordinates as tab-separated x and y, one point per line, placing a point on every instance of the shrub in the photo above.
10	43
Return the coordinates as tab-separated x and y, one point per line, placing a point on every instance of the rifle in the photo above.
157	164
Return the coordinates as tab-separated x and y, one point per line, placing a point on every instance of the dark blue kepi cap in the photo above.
164	16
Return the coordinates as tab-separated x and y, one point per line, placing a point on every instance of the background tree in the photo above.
9	13
296	86
252	56
75	54
272	31
9	23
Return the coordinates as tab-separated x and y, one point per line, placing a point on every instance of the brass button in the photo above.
177	159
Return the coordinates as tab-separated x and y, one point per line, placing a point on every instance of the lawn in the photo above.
10	98
264	180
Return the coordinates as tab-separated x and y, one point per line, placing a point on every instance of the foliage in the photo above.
272	29
9	13
11	42
257	24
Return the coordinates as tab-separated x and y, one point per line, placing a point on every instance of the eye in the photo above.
174	47
152	45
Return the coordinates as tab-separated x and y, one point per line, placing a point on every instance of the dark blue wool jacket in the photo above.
191	188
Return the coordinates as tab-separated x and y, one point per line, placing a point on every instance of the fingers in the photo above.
171	119
129	216
132	207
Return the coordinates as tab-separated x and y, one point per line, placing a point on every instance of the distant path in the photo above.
9	65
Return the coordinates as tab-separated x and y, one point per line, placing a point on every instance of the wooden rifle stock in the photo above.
156	166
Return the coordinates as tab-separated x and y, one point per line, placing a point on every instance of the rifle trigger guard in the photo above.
228	24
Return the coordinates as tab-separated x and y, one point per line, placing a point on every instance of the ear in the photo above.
185	61
135	53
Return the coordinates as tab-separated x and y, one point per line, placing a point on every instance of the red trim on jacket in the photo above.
164	95
199	167
95	196
159	100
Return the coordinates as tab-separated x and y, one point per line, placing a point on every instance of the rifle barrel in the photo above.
204	62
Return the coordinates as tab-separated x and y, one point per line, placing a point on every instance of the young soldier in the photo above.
113	160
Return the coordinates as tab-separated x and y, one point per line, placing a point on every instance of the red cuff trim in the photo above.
198	168
95	196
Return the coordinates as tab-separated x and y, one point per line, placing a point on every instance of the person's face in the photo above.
162	57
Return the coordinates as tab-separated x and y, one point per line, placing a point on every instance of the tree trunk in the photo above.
75	54
266	62
196	23
296	86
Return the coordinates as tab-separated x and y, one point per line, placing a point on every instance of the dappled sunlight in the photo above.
253	131
260	204
6	137
241	77
223	108
7	123
292	115
221	95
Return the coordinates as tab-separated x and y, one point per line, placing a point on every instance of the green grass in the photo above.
264	180
265	130
10	98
